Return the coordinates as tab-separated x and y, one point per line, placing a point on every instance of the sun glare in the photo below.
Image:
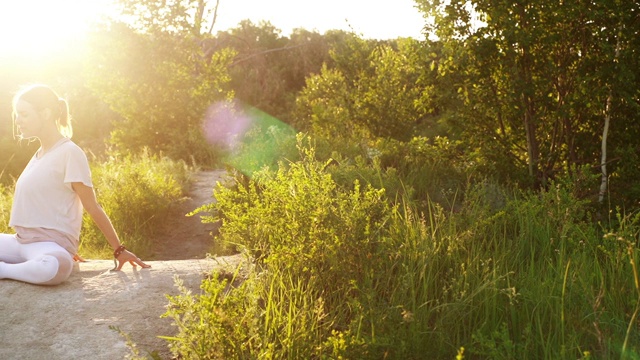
34	28
31	28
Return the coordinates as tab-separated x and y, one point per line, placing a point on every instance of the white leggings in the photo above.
41	263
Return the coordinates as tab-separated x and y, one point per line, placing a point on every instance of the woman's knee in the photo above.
63	267
10	249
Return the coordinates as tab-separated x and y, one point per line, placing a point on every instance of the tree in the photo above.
256	71
387	99
532	79
60	70
269	69
324	107
374	90
154	72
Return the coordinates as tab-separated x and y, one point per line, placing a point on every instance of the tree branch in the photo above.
215	16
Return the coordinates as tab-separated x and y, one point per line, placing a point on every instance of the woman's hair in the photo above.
43	97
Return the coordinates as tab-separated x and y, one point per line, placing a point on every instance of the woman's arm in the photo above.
90	204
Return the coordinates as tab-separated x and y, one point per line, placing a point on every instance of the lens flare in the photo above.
250	139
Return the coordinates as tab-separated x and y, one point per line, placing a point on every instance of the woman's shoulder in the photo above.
71	147
70	144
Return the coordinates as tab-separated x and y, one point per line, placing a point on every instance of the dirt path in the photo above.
186	237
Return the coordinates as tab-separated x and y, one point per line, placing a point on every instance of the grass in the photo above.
6	198
343	274
136	192
344	271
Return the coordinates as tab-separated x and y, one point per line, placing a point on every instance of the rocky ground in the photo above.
80	318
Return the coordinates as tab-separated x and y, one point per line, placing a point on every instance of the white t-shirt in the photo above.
44	198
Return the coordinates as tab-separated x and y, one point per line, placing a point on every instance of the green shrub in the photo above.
136	193
216	324
316	244
343	273
299	219
266	142
268	315
434	170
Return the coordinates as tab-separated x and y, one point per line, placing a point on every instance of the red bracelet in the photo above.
119	251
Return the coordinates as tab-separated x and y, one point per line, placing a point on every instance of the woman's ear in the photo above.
46	114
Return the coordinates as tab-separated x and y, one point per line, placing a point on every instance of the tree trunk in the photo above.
533	148
603	161
604	182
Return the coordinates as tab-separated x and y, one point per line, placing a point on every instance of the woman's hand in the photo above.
78	258
88	198
131	258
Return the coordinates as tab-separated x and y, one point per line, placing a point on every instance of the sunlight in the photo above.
34	28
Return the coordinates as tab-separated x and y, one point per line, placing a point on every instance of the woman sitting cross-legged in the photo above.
50	196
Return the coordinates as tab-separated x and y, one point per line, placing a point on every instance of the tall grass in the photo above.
5	209
136	192
342	273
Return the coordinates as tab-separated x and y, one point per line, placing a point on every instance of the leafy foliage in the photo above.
322	222
136	192
324	107
268	68
435	170
528	84
155	75
372	91
305	282
341	274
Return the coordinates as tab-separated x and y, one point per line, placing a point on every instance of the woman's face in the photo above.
28	120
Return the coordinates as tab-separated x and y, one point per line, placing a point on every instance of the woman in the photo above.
50	195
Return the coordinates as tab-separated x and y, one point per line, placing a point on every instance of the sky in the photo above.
378	19
31	26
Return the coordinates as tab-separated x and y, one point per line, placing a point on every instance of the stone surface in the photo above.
73	320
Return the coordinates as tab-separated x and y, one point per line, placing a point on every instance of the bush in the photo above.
136	193
299	219
315	242
434	170
343	273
